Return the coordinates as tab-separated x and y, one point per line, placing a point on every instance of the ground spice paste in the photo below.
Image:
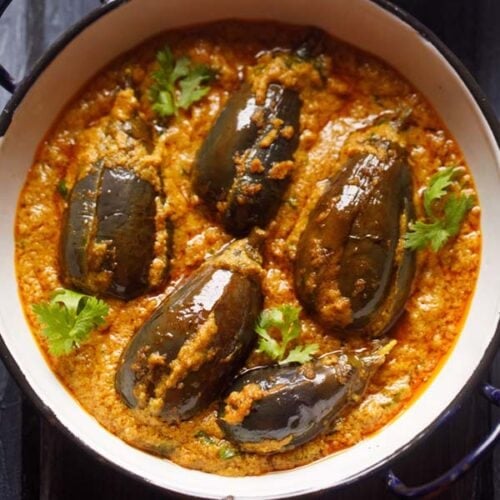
348	94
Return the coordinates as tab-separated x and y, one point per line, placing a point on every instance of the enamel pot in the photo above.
374	26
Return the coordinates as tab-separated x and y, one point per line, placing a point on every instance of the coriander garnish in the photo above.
62	188
178	83
226	451
205	438
284	319
68	318
441	222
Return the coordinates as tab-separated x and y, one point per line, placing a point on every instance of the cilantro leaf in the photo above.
440	225
455	210
285	319
226	452
164	105
205	438
438	186
422	234
62	188
178	83
267	344
191	88
68	318
301	354
166	60
181	69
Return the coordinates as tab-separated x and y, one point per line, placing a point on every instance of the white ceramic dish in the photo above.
376	28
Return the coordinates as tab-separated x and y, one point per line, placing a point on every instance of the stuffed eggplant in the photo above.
109	234
186	353
352	271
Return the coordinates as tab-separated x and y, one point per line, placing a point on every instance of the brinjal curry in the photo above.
245	246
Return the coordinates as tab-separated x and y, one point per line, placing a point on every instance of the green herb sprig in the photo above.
226	451
62	188
440	224
68	318
178	83
285	319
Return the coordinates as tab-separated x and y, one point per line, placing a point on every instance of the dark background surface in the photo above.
37	461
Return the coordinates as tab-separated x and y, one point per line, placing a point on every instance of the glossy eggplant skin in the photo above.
351	270
108	235
244	164
188	351
273	409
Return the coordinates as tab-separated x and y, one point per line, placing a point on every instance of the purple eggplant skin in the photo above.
273	409
233	171
188	351
351	270
108	234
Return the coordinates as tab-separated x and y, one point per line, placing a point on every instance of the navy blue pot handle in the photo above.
402	490
6	80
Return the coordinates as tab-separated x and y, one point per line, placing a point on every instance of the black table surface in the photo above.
37	461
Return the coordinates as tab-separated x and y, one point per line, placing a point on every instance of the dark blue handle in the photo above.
3	5
450	476
6	80
492	393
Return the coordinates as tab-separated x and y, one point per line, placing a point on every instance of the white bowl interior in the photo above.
359	22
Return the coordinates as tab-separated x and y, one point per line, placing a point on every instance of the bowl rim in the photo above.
479	97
